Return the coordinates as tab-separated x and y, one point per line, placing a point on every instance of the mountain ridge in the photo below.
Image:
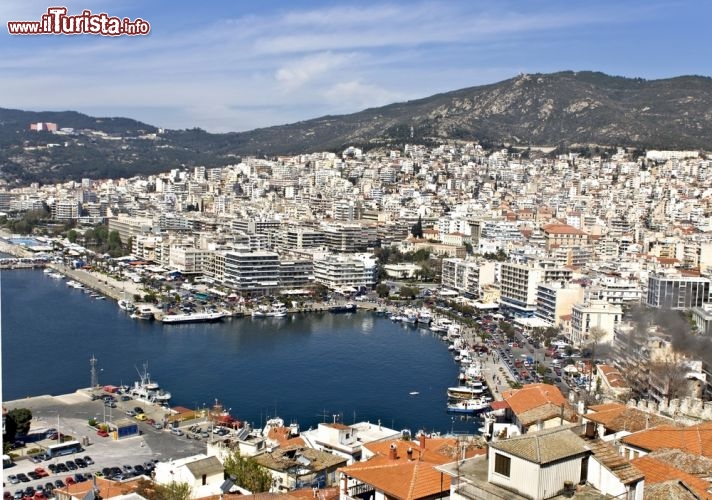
564	109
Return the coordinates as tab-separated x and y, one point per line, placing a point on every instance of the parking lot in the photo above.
70	415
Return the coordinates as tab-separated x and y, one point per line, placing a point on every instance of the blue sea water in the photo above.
304	368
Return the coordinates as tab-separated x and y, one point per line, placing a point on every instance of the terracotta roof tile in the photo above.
618	417
695	439
543	447
658	472
561	229
532	396
408	477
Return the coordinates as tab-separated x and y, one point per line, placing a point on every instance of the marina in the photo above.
251	365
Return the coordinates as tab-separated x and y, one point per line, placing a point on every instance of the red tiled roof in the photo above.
408	477
561	229
695	439
658	472
532	396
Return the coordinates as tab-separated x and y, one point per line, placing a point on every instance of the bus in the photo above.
57	450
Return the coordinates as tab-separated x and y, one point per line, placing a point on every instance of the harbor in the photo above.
274	366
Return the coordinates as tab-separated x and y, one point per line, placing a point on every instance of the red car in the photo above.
102	433
70	481
41	472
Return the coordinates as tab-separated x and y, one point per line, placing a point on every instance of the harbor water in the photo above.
307	368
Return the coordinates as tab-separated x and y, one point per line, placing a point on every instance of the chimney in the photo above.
393	454
421	439
410	453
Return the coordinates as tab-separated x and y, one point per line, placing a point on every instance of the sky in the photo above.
239	65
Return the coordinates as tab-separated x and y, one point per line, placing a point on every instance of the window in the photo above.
502	464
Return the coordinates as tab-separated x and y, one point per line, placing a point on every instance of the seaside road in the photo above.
70	415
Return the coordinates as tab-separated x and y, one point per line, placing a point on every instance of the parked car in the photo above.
88	460
70	481
71	465
138	409
12	478
176	431
102	433
23	477
58	483
80	463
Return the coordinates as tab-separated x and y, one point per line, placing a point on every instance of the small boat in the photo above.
463	392
278	310
343	308
424	317
196	317
148	390
414	393
125	305
143	312
468	406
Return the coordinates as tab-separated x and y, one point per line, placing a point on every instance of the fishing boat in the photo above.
126	305
468	406
148	390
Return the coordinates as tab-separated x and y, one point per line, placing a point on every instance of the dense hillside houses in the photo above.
606	258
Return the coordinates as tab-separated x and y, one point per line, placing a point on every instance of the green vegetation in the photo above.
101	240
17	422
172	491
247	473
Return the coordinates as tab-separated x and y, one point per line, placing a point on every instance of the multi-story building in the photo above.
702	317
188	259
555	300
129	227
615	291
66	210
467	276
252	273
344	272
295	273
348	238
595	313
671	291
519	283
564	236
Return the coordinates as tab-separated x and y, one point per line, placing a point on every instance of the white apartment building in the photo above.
519	287
188	259
467	276
66	210
130	226
615	291
519	282
252	273
344	272
554	301
595	313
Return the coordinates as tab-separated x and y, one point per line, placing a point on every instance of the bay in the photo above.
304	368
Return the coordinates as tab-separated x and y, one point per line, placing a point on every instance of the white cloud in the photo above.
297	72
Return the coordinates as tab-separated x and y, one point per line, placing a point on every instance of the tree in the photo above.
17	422
417	229
408	292
72	236
383	290
595	335
247	472
154	491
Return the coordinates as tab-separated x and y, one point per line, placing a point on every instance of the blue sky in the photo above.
239	65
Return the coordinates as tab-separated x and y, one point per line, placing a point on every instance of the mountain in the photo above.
566	109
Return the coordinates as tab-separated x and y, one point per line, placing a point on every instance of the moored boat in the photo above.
196	317
468	405
343	308
463	392
148	390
